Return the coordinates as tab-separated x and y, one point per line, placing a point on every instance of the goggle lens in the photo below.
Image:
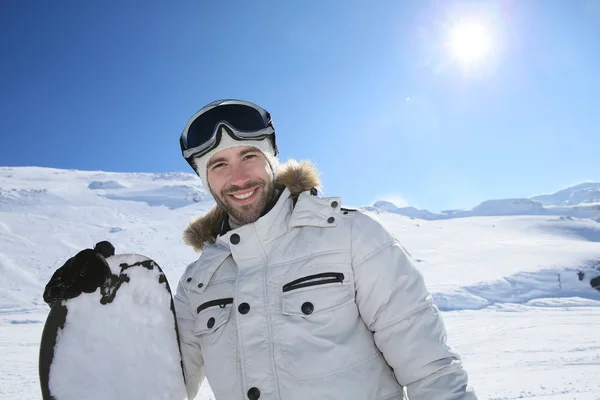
239	116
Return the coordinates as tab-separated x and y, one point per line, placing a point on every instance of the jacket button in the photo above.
334	204
200	285
253	393
210	323
307	308
188	279
235	238
331	220
244	308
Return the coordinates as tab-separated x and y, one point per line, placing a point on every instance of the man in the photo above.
293	296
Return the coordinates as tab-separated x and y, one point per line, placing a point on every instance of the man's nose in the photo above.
239	175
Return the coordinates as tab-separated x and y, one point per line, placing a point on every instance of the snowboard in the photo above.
118	341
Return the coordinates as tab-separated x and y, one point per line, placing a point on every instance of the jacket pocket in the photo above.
216	332
320	331
316	294
212	315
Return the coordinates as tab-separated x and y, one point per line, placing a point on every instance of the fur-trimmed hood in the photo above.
297	176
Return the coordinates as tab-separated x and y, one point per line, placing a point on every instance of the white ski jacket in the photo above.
311	301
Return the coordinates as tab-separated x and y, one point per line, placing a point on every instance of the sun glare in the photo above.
470	43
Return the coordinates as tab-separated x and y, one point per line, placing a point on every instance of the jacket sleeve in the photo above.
193	363
397	307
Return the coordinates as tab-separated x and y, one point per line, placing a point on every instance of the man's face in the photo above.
241	181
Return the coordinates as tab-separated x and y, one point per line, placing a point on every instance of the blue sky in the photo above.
368	90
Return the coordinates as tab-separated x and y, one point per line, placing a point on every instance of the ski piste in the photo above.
118	342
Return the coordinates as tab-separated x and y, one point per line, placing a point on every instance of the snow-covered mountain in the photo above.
582	195
412	212
581	201
510	263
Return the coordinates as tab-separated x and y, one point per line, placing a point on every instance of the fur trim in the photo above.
297	176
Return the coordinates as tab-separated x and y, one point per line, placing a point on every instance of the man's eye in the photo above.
219	165
249	156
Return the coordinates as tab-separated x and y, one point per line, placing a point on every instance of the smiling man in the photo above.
293	296
241	181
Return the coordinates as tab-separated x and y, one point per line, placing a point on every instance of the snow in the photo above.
105	185
519	351
509	286
508	207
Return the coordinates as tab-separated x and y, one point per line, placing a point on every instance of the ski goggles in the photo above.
244	120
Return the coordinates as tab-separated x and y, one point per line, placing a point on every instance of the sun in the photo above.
470	43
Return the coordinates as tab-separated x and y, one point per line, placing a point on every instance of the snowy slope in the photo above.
48	215
476	262
517	283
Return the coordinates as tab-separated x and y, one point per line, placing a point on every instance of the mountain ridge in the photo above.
578	201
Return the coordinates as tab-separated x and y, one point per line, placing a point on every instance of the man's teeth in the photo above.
243	196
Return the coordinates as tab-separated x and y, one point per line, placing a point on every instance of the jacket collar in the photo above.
293	178
225	226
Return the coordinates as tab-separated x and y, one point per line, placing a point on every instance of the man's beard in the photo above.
249	213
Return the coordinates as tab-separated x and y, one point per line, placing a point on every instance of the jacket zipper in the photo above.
219	302
313	280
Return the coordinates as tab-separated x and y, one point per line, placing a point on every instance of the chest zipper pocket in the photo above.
313	295
212	315
314	280
219	302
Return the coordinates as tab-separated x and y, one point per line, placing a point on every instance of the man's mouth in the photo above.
244	196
